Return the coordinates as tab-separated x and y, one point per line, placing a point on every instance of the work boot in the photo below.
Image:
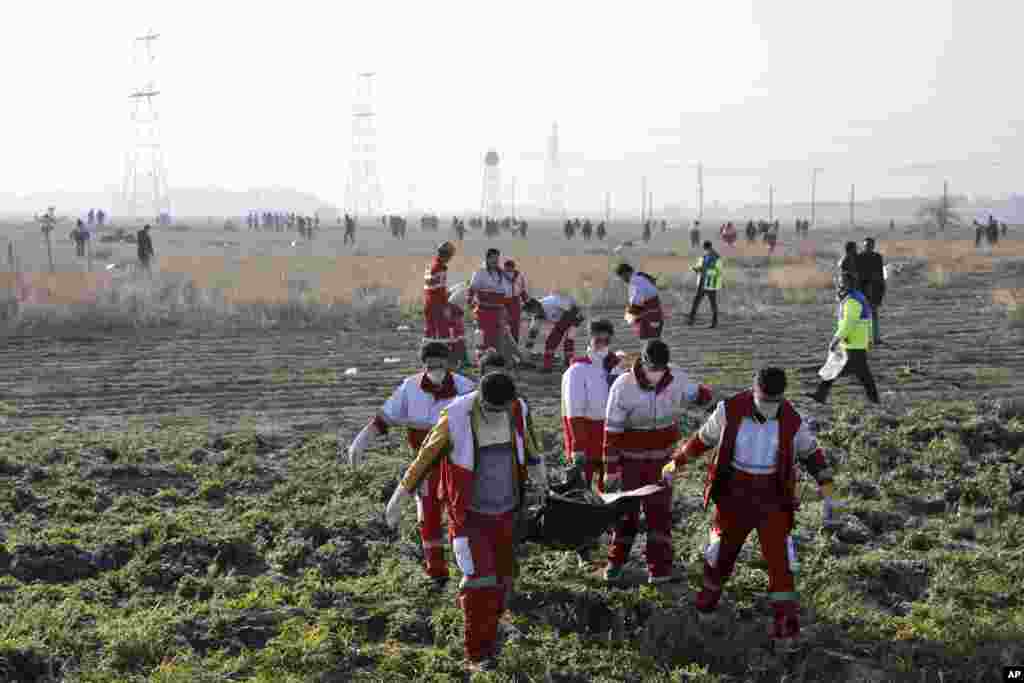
785	627
817	398
714	323
707	600
690	321
482	665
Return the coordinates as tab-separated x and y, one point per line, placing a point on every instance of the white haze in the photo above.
892	96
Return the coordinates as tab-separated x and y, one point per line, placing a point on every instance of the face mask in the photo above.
767	408
654	376
598	350
488	408
436	376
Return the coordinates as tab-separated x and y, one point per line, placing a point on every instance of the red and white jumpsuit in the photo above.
759	492
643	310
457	322
485	463
641	429
585	388
561	315
519	295
417	404
435	302
489	293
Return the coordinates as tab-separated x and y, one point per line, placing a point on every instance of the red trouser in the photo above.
753	502
590	444
482	593
428	509
649	325
492	327
558	336
515	315
457	332
435	319
657	509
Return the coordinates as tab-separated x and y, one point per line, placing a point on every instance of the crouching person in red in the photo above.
752	482
641	428
485	444
417	404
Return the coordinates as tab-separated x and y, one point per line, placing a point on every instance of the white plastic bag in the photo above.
834	364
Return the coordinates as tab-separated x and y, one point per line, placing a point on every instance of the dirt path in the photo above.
940	343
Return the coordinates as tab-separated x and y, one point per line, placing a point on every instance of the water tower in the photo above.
491	201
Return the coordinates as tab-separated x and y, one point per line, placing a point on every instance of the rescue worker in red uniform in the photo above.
641	428
519	296
485	445
417	404
457	325
643	309
435	296
563	316
489	293
752	482
585	388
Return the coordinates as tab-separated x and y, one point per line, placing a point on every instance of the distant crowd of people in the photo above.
989	231
277	221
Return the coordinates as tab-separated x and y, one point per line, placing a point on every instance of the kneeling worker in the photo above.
563	315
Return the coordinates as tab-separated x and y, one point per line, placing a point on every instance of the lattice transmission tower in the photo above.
144	192
363	194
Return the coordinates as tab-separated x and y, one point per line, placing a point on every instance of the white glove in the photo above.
463	556
362	440
393	511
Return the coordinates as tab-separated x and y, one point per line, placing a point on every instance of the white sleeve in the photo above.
634	295
463	385
574	393
616	414
396	408
711	431
804	443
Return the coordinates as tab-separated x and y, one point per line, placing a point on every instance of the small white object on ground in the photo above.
351	372
403	328
392	360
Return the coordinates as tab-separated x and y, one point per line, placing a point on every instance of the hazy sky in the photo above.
893	95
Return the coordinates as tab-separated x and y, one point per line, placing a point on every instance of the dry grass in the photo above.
952	256
799	276
1013	301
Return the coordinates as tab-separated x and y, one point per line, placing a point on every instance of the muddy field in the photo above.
173	507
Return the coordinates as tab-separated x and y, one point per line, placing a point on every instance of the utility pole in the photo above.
945	205
700	191
643	200
814	184
852	195
650	205
144	190
607	208
47	222
364	196
771	203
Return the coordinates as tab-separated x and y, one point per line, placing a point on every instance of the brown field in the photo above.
175	507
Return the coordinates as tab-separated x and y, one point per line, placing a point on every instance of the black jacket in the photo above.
872	276
145	244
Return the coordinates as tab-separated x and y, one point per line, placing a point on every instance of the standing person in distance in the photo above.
145	246
752	482
519	295
848	265
416	405
853	334
489	293
871	269
643	308
436	311
641	428
709	271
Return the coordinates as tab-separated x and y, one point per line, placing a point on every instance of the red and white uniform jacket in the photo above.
453	441
555	306
457	297
585	388
519	288
416	404
435	283
643	298
642	421
489	290
770	448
